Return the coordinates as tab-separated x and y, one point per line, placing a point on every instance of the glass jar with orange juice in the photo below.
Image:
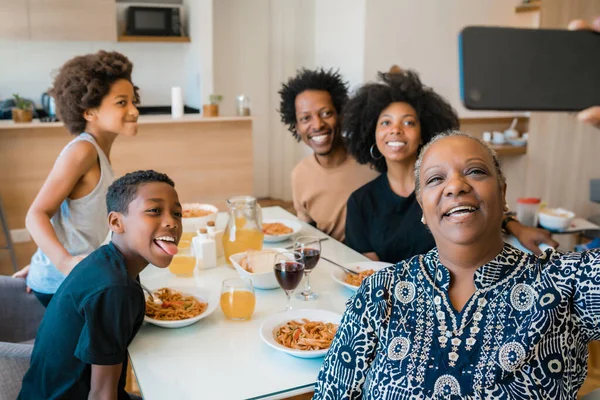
184	262
244	227
237	298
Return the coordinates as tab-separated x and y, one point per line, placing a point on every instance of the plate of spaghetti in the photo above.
179	307
301	333
278	230
364	269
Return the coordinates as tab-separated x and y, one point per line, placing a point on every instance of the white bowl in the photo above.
261	280
194	223
202	294
268	327
517	142
339	275
295	225
555	219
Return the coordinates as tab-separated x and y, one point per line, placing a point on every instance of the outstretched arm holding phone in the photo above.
590	115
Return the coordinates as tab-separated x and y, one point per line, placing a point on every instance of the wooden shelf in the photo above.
154	39
508	150
529	7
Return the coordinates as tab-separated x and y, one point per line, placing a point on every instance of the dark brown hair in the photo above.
362	111
84	81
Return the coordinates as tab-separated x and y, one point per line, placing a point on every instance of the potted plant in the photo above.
23	109
212	109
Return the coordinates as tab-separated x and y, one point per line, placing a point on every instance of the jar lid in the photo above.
529	200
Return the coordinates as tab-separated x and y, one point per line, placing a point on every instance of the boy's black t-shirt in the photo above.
93	317
380	221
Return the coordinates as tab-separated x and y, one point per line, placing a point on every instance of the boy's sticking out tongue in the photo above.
168	247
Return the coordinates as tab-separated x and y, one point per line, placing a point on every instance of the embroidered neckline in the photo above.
492	272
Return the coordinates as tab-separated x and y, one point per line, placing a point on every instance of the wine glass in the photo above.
310	247
289	266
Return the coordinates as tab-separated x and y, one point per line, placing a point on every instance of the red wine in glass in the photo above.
289	274
311	257
289	269
310	248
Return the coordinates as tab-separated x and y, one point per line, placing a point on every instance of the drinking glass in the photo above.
310	247
237	298
184	262
289	266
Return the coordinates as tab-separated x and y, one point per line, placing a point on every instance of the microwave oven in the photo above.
154	21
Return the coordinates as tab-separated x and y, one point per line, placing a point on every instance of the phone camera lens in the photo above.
475	95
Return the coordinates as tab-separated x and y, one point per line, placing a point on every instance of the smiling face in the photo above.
460	192
117	113
151	228
398	132
317	121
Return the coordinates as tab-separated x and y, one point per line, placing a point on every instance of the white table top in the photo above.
221	359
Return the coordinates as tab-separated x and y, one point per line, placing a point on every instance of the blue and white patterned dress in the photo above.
522	335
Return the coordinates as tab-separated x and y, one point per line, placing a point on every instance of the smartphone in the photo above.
529	69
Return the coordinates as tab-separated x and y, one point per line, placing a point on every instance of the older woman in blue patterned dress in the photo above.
474	317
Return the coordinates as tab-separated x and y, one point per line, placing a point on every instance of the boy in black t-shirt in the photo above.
81	347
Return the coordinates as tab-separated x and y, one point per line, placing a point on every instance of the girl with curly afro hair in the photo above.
311	104
386	124
95	99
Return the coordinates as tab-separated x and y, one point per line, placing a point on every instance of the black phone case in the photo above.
529	69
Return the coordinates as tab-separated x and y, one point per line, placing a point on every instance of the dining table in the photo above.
218	358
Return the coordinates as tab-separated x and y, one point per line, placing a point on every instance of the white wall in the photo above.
257	46
199	57
28	67
422	35
340	37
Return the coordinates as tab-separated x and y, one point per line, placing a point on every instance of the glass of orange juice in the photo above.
187	236
237	298
184	262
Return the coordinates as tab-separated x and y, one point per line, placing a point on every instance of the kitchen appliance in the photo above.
154	21
48	105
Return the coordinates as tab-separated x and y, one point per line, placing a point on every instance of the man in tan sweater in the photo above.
311	104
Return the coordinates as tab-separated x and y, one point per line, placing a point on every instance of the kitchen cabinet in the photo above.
14	21
82	20
77	20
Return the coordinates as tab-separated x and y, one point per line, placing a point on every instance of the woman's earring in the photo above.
423	220
506	207
371	151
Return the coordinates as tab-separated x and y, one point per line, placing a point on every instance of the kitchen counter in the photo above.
210	159
142	120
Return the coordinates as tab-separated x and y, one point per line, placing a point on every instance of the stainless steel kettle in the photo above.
48	104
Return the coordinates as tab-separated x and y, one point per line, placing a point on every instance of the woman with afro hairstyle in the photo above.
386	123
95	99
311	104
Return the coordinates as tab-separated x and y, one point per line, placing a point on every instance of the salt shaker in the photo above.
217	236
205	249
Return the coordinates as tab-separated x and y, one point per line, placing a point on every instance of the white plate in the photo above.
202	294
295	225
339	275
275	321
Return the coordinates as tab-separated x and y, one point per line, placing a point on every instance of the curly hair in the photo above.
362	112
82	83
122	191
320	79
